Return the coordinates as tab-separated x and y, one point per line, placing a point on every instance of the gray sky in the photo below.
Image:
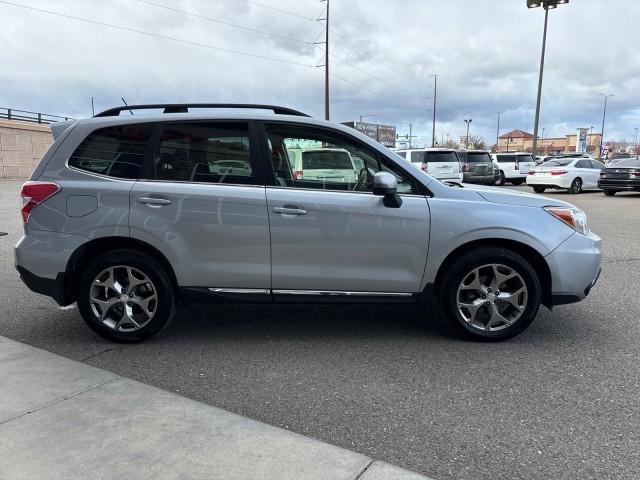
486	54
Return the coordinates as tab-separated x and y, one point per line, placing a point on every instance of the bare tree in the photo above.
477	142
450	143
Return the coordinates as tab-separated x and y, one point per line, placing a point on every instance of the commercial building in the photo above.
521	141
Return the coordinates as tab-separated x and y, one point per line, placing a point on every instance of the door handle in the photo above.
289	210
154	202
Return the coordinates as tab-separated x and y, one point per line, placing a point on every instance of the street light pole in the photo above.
468	122
604	115
547	5
498	132
635	142
435	94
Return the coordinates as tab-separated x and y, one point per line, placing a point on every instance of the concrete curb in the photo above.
67	420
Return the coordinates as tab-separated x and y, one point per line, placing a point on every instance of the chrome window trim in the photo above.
264	291
341	293
300	189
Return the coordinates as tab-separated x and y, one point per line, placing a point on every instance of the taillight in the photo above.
517	167
531	172
466	167
425	167
558	172
33	194
298	174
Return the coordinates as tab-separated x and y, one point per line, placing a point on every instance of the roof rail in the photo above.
184	108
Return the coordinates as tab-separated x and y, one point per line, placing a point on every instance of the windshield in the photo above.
629	163
558	163
326	160
478	157
431	157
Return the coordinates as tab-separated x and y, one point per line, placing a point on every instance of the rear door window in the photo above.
525	159
115	151
505	158
205	152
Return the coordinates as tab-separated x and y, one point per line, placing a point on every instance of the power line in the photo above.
286	12
223	22
157	35
353	47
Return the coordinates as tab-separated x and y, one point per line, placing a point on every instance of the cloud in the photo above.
486	55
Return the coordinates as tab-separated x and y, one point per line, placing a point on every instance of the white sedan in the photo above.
572	174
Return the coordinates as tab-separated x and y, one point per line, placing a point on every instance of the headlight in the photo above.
573	217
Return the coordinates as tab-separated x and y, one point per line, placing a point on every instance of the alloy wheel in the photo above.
492	297
123	298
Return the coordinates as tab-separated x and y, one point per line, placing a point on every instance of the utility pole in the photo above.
604	114
544	46
435	94
466	140
635	142
93	112
498	132
326	65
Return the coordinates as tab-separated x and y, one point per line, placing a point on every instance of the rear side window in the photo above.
505	158
583	164
115	151
205	152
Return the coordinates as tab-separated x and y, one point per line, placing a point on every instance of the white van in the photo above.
440	163
512	167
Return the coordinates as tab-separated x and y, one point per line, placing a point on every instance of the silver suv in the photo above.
132	216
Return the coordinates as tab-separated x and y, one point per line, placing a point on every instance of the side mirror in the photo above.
386	185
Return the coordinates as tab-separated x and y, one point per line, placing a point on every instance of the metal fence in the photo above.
31	117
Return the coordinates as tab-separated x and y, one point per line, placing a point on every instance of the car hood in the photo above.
515	197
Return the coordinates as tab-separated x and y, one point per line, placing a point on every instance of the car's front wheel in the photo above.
490	294
125	296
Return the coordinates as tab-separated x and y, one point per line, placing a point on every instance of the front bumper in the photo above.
575	268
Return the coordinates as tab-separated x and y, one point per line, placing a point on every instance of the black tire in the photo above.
576	186
609	193
163	307
538	189
517	182
460	269
500	180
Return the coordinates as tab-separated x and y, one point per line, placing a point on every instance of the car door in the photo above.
596	168
582	169
209	220
338	238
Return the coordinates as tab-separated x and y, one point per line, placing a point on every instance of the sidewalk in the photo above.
61	419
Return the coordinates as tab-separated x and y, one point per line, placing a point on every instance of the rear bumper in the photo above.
559	181
620	185
575	268
54	288
483	179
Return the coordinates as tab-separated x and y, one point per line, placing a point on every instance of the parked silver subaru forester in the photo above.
133	216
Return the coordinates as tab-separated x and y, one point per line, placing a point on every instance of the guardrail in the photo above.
31	117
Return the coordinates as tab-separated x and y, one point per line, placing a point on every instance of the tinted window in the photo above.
402	154
115	151
505	158
595	164
431	157
205	152
326	159
462	156
525	158
306	157
478	157
583	164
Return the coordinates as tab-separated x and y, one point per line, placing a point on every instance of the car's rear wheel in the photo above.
538	189
576	186
490	294
609	193
500	180
517	182
125	296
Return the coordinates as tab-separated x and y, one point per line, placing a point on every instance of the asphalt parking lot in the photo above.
560	401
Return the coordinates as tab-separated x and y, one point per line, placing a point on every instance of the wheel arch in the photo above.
102	245
537	261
